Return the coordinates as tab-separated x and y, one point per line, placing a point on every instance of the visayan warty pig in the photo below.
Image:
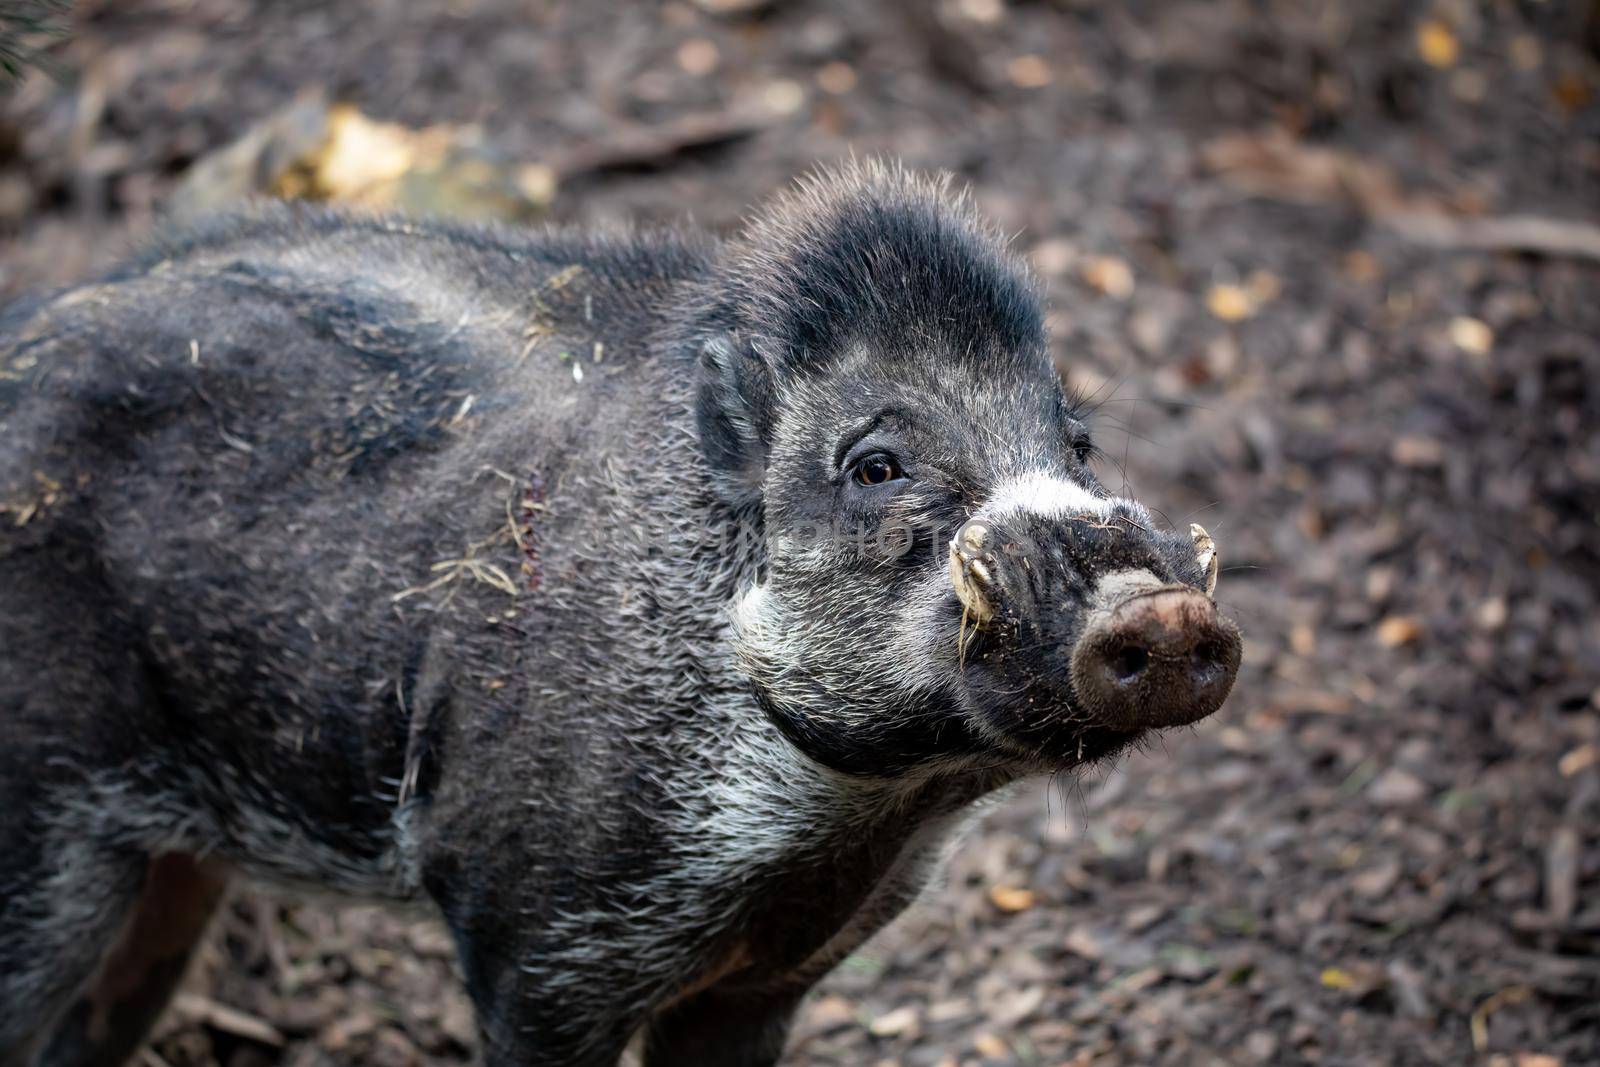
651	606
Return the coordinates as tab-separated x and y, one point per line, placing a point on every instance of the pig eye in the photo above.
876	468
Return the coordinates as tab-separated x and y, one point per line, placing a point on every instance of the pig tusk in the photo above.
968	573
1205	553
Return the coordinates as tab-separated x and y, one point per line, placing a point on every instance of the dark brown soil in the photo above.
1386	849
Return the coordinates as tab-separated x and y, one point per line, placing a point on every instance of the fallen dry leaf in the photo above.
1571	91
984	11
1302	639
1334	978
991	1046
1230	303
1357	978
1537	1059
1437	44
1585	755
1054	256
1379	583
894	1023
1414	450
1081	941
1109	275
361	156
1376	881
783	96
837	78
1010	898
1471	335
1029	72
830	1013
698	57
1397	630
1015	1005
1362	266
1141	980
1397	788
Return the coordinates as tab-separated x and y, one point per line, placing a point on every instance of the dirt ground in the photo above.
1332	272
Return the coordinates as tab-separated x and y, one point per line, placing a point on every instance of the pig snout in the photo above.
1142	652
1153	654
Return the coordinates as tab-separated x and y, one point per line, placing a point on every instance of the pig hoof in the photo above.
1205	553
970	575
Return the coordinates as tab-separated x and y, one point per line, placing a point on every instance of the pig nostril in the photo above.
1128	663
1207	660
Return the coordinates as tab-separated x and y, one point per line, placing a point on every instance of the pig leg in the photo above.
61	907
74	829
133	982
722	1028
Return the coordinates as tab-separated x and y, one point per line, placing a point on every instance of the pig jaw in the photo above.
995	686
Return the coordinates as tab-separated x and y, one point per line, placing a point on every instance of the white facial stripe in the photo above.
1049	496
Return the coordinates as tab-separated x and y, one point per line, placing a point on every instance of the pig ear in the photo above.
733	409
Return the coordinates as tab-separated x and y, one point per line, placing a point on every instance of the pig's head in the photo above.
945	580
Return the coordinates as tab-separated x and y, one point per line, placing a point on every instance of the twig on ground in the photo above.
654	146
1510	233
218	1016
1480	1017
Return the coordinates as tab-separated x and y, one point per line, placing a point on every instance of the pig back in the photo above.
332	476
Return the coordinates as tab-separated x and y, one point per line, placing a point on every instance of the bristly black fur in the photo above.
470	566
868	254
899	257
